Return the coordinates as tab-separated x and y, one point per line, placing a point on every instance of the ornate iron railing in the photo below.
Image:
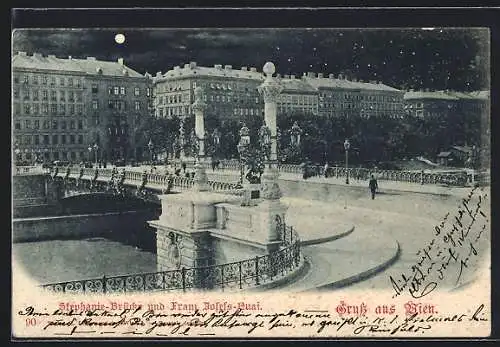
237	275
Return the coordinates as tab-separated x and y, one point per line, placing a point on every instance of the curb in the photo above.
327	239
361	276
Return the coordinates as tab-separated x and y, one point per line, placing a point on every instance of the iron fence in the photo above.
237	275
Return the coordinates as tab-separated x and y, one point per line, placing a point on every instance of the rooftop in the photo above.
447	95
296	85
192	69
341	83
90	65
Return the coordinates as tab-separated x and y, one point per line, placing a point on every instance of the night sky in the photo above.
434	58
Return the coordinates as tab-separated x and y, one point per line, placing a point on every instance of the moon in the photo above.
120	38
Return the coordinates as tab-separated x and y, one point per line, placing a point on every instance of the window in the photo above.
55	139
161	112
53	108
71	96
45	95
27	124
26	94
122	90
35	94
53	95
137	91
46	124
56	155
17	125
26	109
78	83
45	139
95	104
16	79
34	79
73	155
72	139
36	139
61	81
26	79
137	106
27	139
16	93
44	80
79	109
95	89
79	96
80	139
70	82
54	124
71	109
62	95
116	90
80	124
72	124
52	81
63	124
148	91
36	124
63	139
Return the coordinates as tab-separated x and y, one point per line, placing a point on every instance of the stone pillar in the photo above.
199	107
271	205
270	89
181	138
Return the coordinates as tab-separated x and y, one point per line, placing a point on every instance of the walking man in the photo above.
373	186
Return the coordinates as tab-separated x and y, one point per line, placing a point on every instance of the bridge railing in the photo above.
30	170
236	275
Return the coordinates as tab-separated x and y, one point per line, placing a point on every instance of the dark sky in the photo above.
431	58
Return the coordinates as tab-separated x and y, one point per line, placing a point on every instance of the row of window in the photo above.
56	139
49	155
35	109
46	80
356	96
47	124
44	94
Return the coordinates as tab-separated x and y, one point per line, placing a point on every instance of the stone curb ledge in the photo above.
327	238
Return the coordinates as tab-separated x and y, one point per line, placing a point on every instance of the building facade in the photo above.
297	96
341	97
62	107
228	92
440	103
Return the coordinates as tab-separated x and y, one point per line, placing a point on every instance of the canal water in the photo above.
66	260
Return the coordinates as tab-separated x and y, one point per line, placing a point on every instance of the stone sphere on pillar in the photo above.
269	68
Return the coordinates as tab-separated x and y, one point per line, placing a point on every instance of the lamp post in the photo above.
243	145
347	145
96	149
199	107
150	147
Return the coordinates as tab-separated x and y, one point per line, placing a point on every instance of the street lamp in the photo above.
150	146
347	145
243	147
96	148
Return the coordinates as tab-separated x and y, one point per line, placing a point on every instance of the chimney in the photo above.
177	67
186	66
426	89
22	53
292	77
340	76
373	82
286	76
379	82
70	57
252	69
331	76
228	67
37	55
51	56
158	74
320	75
192	64
354	79
218	66
91	58
412	90
278	75
243	68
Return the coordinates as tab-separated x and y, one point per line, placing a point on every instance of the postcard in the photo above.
250	183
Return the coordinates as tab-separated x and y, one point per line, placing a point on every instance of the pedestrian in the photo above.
373	186
184	166
326	170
